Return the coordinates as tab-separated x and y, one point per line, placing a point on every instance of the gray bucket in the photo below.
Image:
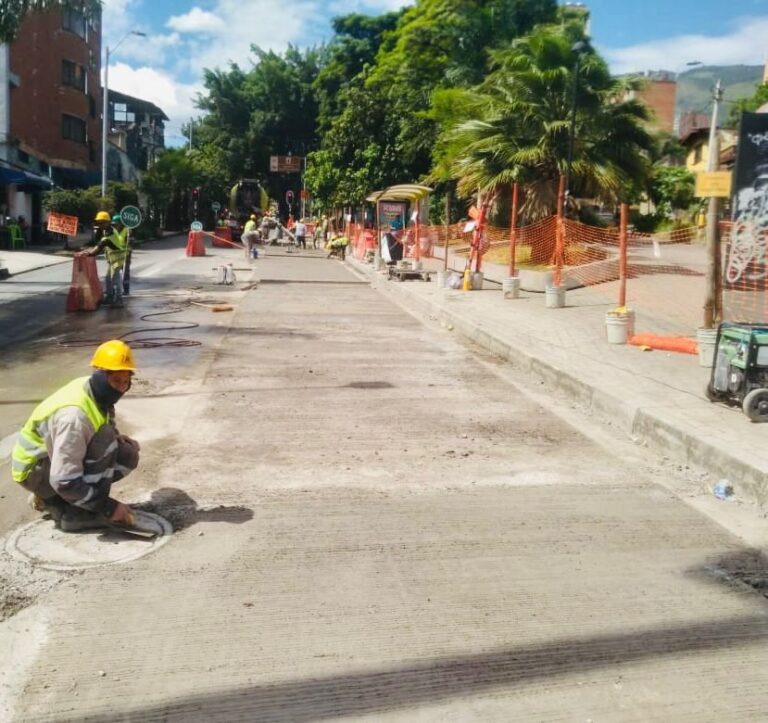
554	297
510	287
477	280
707	338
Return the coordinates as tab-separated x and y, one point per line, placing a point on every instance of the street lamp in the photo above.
105	109
578	48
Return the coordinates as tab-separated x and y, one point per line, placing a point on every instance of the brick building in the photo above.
50	119
659	94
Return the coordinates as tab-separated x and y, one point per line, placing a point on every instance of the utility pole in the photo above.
712	311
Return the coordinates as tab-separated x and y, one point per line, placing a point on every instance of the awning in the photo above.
401	192
17	177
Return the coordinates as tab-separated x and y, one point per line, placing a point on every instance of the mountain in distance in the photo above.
695	86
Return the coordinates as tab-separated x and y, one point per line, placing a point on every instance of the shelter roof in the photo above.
401	192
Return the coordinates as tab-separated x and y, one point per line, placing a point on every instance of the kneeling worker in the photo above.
69	453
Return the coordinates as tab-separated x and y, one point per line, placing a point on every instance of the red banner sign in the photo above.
59	223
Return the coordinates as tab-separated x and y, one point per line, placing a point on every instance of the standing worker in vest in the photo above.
69	453
250	236
117	251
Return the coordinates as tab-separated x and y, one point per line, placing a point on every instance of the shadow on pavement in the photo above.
182	511
434	681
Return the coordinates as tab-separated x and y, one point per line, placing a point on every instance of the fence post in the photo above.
513	230
560	233
447	227
624	218
416	230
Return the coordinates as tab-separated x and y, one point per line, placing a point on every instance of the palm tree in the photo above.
516	126
12	12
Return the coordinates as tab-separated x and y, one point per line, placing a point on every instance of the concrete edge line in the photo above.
642	423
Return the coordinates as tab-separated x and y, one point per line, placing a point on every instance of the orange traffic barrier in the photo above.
681	344
195	244
85	292
222	236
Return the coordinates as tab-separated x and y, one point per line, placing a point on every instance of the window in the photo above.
91	106
121	114
73	75
73	128
73	21
697	153
23	156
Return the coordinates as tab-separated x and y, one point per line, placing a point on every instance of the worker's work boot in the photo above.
53	507
77	520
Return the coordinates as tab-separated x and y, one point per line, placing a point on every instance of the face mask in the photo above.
103	392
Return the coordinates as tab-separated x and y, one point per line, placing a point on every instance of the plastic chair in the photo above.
17	237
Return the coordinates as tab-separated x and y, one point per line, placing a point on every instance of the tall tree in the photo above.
516	126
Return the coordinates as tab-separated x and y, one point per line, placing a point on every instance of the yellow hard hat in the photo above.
103	216
114	356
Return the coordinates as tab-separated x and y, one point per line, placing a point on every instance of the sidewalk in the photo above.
19	262
655	397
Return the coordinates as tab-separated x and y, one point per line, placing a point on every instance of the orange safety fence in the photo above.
744	276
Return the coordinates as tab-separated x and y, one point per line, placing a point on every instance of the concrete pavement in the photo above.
655	397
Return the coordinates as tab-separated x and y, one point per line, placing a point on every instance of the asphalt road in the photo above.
373	523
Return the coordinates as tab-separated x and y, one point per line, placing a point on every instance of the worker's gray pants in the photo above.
114	285
107	460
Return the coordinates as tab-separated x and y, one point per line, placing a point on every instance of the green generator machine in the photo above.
740	370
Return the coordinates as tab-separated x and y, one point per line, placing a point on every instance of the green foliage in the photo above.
750	105
515	126
672	188
13	12
83	203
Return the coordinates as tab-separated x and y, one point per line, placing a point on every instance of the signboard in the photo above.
304	195
130	216
746	268
710	184
391	213
289	197
286	164
215	207
59	223
196	226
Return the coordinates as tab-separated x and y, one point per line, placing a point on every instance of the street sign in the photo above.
196	226
60	223
289	197
304	195
285	164
713	184
215	207
130	216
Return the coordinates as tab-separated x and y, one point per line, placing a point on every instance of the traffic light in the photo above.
195	194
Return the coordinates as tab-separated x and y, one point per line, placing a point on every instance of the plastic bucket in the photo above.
554	297
510	287
618	327
477	280
707	339
441	278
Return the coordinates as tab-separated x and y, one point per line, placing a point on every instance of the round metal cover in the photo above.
42	545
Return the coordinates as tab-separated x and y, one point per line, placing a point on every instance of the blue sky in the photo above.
184	37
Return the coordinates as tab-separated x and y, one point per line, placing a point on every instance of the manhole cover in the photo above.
41	544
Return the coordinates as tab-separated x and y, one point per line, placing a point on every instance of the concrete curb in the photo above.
652	425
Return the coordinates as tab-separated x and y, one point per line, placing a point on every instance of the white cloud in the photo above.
196	21
744	44
174	98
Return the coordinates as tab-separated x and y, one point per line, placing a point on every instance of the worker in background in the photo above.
69	453
338	246
101	227
116	249
250	236
300	232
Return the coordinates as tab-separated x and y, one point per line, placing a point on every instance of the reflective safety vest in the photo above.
116	256
30	447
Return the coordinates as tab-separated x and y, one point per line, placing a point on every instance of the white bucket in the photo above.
510	287
441	277
477	280
707	339
416	265
554	297
617	327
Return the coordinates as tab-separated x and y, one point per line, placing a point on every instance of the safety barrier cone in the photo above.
85	291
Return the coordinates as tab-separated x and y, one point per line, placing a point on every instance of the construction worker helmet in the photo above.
102	216
114	356
116	218
253	217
